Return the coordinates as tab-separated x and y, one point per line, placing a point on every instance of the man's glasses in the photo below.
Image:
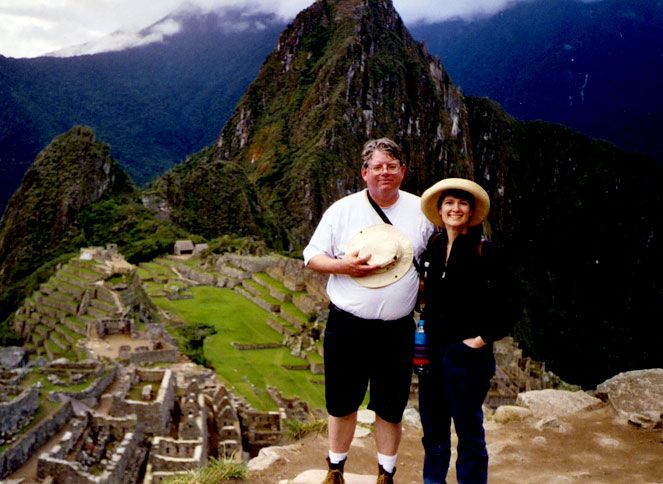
391	168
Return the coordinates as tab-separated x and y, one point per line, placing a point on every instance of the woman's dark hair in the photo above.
457	193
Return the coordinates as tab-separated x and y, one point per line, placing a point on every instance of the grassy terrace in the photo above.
248	372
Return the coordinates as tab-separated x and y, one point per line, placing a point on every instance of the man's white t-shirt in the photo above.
342	220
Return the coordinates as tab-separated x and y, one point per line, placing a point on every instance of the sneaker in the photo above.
385	477
335	473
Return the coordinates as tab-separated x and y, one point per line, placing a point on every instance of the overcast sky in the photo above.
29	28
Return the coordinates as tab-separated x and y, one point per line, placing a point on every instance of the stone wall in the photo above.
193	424
272	308
296	277
261	429
515	373
156	414
108	326
154	356
72	472
17	412
16	455
95	389
256	346
309	305
249	263
196	276
173	455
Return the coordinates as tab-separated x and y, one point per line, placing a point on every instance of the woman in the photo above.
462	296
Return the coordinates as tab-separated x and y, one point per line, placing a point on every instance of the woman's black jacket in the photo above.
472	294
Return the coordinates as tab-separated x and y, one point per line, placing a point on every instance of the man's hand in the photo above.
351	264
355	266
475	343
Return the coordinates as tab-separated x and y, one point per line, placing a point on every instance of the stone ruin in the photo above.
17	409
156	423
96	449
190	449
261	429
227	425
107	257
154	412
515	374
183	247
159	423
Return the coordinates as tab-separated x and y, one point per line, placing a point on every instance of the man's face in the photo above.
383	175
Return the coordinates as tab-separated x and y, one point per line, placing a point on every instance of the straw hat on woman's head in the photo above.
430	200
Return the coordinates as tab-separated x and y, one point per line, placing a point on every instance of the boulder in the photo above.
411	417
366	416
269	456
557	403
636	395
509	413
13	357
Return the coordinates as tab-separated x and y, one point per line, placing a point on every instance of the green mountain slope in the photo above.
344	71
73	195
579	215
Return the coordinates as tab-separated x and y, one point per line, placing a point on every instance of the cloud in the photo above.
122	40
29	28
413	11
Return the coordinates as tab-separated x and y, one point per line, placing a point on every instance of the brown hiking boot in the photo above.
385	477
335	473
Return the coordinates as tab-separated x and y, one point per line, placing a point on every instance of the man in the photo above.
369	334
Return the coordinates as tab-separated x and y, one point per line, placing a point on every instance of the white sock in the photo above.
388	462
335	458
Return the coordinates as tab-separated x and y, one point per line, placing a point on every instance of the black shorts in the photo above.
358	351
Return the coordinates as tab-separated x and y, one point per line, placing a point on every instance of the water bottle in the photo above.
421	360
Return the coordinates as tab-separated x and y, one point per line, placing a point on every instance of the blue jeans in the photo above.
454	388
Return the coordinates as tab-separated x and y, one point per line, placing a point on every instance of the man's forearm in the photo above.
325	264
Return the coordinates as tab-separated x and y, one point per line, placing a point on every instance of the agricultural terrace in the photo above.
238	320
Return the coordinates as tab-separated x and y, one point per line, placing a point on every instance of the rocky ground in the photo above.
591	445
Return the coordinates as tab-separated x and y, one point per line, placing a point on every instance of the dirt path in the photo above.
592	447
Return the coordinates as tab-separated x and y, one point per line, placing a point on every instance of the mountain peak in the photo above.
73	171
343	72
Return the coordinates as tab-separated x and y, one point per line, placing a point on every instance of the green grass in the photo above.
293	310
157	269
267	279
35	376
263	292
298	430
314	357
248	371
216	470
144	274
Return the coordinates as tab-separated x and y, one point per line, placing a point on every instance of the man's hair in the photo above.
382	144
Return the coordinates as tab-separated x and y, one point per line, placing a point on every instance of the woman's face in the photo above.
455	212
